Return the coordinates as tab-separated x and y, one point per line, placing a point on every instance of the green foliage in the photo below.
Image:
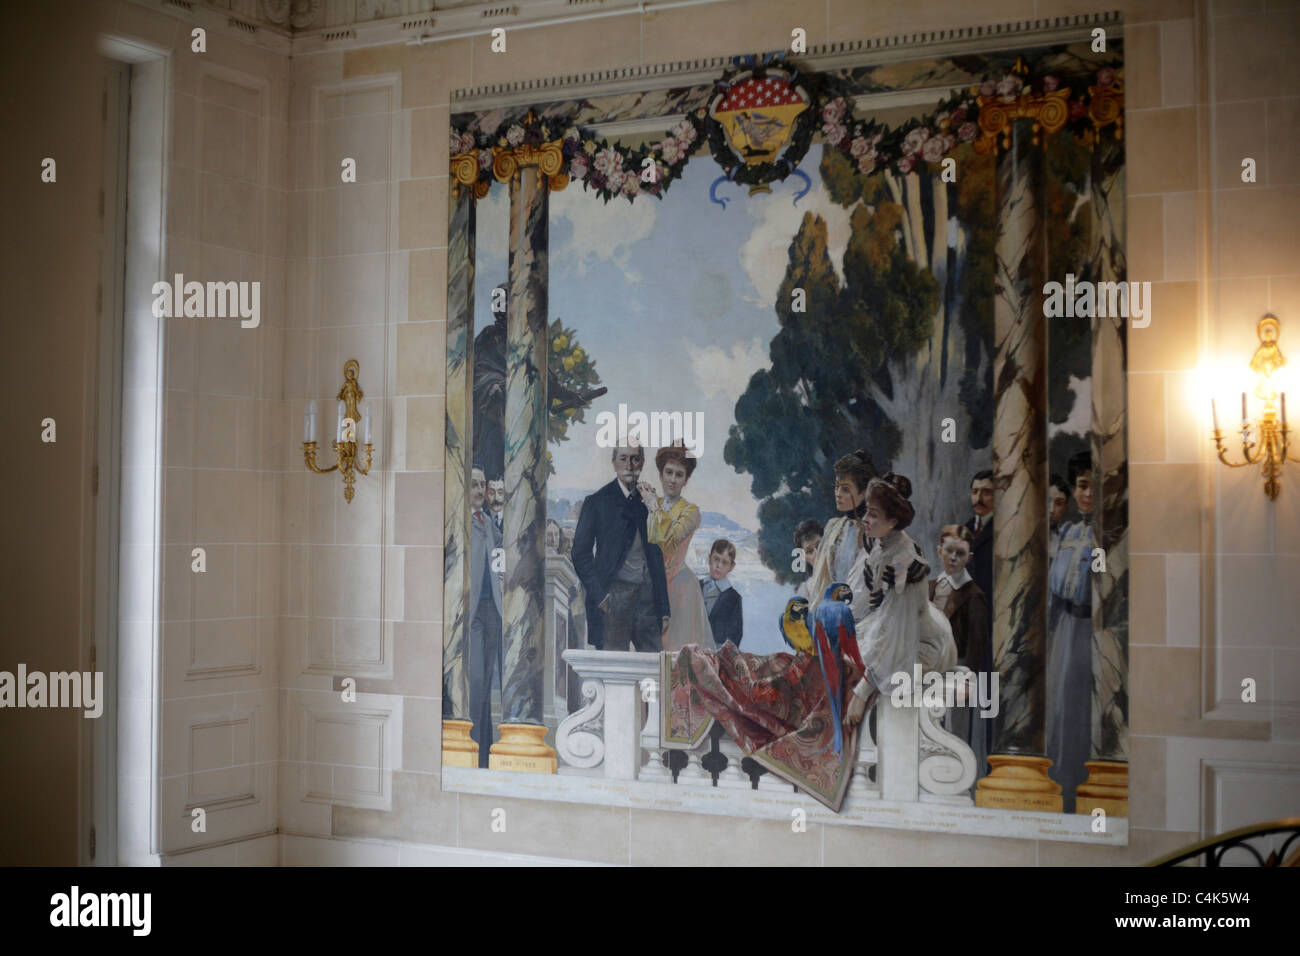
813	405
572	373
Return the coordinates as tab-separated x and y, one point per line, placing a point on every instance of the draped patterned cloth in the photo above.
774	706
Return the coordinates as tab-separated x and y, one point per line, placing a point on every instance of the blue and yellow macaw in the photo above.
794	627
834	632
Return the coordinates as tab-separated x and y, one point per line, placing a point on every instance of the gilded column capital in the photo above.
1049	111
547	157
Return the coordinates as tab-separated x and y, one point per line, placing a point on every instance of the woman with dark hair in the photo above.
896	624
671	525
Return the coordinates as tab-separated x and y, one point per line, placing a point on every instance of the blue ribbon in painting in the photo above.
713	189
807	184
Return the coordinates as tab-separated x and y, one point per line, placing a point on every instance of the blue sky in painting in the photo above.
673	299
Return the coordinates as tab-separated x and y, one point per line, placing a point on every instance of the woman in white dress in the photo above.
671	525
895	622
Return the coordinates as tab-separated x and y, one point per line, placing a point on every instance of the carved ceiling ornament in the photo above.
299	14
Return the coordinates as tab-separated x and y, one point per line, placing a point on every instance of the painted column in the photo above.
458	749
1018	778
1107	784
522	745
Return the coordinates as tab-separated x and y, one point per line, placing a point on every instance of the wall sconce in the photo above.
1269	448
345	435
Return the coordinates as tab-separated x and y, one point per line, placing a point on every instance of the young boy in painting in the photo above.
721	599
808	538
955	593
1069	639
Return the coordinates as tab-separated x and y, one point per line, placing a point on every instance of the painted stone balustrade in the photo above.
616	734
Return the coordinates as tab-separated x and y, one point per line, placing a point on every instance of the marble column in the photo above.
1018	778
1107	784
458	749
522	746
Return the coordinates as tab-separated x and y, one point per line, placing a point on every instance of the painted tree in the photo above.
819	398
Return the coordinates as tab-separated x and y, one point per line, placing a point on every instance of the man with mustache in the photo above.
622	573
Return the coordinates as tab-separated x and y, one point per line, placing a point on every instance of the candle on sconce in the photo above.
365	420
309	422
1284	411
1245	422
1214	411
338	432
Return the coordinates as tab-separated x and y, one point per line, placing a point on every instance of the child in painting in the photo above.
956	594
721	599
896	624
1069	640
672	523
1058	498
808	538
841	544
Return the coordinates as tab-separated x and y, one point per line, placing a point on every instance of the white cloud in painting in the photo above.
727	372
601	230
766	254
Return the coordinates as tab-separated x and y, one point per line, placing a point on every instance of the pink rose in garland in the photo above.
684	132
1008	87
868	160
631	185
670	150
485	159
578	168
834	111
834	133
933	149
515	135
859	147
1050	83
607	160
1105	76
915	140
614	180
684	146
987	88
905	163
967	132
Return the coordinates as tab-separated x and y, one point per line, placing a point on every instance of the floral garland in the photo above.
612	171
929	139
601	166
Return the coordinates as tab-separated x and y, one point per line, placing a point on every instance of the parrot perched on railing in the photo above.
794	627
834	631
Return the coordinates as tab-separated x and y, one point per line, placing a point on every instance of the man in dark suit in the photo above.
981	529
485	649
721	599
622	573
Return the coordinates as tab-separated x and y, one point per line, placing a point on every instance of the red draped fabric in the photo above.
774	706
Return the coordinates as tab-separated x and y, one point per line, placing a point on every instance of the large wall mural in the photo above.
776	476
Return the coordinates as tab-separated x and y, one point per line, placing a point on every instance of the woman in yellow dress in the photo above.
672	523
